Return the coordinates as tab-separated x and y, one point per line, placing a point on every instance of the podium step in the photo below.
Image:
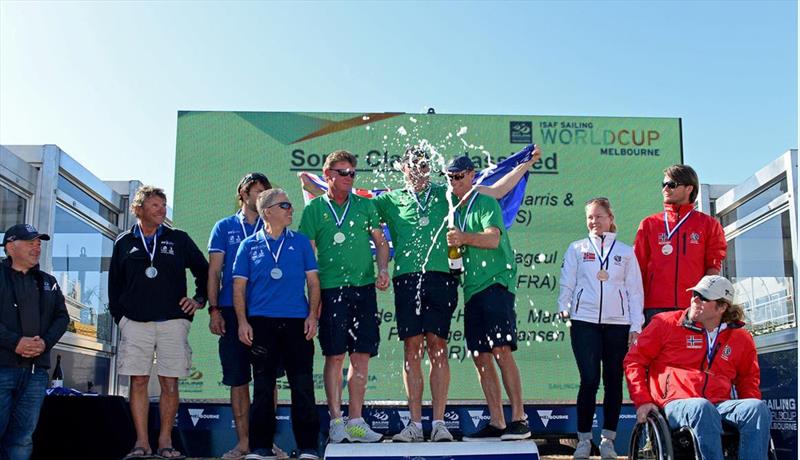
509	450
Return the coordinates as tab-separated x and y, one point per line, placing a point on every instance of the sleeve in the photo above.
308	225
198	265
639	357
216	241
115	283
60	320
641	248
716	247
374	217
309	260
633	286
748	373
381	203
241	265
568	278
490	213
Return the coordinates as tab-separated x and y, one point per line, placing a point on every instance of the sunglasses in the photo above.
346	172
283	205
672	185
700	296
457	176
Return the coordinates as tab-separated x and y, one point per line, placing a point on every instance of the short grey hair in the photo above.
267	198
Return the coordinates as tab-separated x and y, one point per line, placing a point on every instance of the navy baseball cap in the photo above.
462	163
23	232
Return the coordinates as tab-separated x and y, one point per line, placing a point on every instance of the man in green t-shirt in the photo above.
489	317
340	225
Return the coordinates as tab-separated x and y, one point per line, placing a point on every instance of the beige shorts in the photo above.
166	342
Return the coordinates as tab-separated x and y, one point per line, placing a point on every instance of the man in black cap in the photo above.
33	317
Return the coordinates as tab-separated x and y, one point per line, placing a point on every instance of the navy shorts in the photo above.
424	303
490	320
233	354
348	322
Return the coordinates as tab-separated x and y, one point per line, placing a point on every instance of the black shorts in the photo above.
349	319
490	320
424	303
233	354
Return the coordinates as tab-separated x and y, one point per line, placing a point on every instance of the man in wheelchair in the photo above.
700	366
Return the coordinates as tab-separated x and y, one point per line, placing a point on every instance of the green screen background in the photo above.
582	157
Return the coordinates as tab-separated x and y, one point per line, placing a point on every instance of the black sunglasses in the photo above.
346	172
457	176
282	205
700	296
672	185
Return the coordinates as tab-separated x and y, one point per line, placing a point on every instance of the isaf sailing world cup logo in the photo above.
521	132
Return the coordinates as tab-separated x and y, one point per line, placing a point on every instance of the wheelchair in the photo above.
655	440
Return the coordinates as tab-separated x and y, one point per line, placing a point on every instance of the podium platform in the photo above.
495	450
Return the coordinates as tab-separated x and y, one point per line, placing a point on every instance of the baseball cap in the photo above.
23	232
461	163
714	287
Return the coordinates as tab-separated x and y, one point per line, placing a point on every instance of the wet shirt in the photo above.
484	267
225	237
412	241
282	296
349	262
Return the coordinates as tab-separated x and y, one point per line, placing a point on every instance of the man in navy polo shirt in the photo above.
223	243
271	271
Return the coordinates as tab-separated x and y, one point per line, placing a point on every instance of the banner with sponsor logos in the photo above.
582	157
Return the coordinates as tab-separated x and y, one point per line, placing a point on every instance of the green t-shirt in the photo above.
412	241
484	267
349	262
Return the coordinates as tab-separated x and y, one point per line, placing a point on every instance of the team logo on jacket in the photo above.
589	257
694	342
694	238
726	352
617	260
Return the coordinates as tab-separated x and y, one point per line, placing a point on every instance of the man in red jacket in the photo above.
677	247
690	362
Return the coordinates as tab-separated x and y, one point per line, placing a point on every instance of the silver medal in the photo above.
151	272
338	238
276	273
424	221
666	249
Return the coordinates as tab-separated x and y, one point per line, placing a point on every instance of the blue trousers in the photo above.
750	416
21	396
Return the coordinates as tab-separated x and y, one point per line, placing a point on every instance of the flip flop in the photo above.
138	453
234	454
169	453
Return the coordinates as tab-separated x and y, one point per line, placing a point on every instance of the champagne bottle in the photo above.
58	375
455	260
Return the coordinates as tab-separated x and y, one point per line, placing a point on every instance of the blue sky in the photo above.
105	80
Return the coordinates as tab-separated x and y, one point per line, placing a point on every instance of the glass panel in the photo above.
759	263
12	211
81	257
87	200
755	202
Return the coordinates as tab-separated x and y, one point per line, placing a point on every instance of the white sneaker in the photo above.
607	451
583	450
358	431
336	431
440	433
409	434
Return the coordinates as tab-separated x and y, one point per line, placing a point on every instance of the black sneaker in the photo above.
487	433
516	430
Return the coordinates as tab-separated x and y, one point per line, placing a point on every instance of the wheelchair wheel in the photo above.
651	440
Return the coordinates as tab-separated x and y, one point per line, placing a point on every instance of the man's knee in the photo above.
692	411
757	413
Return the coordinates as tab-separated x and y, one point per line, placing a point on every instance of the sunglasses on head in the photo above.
456	176
282	205
671	184
254	177
700	296
346	172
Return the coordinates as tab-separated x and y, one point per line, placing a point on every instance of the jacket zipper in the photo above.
677	260
578	305
621	303
600	313
666	386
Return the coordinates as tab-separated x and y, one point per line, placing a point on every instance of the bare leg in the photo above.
240	404
412	375
332	375
140	406
168	409
511	380
357	382
440	373
490	385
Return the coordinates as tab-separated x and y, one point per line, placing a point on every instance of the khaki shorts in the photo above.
167	340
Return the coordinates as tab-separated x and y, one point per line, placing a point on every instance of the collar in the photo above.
697	327
679	209
241	217
7	263
287	233
609	237
135	230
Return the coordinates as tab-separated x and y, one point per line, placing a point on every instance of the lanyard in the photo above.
422	206
277	255
152	253
259	222
462	224
336	217
603	260
712	349
666	224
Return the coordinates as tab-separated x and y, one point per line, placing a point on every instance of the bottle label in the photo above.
57	384
456	264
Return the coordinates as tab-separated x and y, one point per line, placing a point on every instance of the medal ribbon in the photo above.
421	206
336	218
666	224
603	260
144	242
259	222
712	349
275	256
463	224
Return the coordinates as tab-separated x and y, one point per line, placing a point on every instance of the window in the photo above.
754	203
87	200
12	211
759	263
81	258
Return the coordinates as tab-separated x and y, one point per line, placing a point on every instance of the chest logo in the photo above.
694	238
589	257
694	342
726	352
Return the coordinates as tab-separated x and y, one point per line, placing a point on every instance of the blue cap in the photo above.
462	163
23	232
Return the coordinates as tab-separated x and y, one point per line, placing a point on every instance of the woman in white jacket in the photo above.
601	293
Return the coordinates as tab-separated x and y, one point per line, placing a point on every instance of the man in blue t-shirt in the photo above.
271	272
223	243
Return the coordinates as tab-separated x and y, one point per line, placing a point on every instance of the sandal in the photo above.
234	454
138	453
169	453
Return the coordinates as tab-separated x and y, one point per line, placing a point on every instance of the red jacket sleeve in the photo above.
639	357
748	373
717	247
642	250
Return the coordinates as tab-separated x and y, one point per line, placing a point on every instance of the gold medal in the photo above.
602	275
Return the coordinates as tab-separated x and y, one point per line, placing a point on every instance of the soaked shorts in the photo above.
424	303
490	320
349	321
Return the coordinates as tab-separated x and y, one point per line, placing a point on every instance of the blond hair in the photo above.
734	313
143	193
606	205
